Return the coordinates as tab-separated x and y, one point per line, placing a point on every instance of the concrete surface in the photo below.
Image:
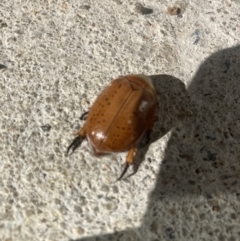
56	56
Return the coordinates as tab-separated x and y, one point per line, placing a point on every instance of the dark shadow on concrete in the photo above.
202	156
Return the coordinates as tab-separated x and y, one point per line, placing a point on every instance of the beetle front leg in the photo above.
77	141
129	161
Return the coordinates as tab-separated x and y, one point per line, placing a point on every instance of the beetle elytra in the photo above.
120	116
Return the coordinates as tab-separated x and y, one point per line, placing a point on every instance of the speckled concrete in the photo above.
56	56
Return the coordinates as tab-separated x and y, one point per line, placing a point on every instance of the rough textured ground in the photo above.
56	56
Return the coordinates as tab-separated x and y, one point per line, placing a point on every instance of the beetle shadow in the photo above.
202	155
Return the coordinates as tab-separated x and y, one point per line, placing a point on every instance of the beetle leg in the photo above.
84	115
129	161
77	141
123	172
147	138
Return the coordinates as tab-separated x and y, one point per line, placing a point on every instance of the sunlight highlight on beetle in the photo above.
99	135
143	105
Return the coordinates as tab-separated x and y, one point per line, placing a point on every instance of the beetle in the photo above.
119	118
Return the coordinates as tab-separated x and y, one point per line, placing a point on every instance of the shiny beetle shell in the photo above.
120	116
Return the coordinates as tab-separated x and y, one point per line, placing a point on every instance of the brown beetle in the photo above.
119	117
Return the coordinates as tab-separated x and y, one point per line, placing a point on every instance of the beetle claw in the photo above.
75	144
123	172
